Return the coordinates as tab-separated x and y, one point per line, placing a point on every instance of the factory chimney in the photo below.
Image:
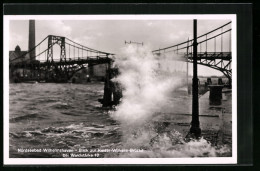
32	39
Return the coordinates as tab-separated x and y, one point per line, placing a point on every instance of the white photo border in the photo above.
114	161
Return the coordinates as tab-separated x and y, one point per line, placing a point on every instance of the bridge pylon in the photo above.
52	40
57	72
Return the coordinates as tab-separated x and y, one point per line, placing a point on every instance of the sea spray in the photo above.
194	148
148	82
146	88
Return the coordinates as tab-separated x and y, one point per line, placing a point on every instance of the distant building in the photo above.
18	56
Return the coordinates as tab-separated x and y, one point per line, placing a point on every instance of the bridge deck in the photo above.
78	61
212	55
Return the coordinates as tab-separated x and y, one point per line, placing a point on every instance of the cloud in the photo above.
58	28
16	39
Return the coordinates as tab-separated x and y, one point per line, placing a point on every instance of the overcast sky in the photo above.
110	35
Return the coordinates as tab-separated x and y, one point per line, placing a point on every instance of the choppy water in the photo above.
48	116
58	116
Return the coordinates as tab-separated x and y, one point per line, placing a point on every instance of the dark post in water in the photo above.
195	124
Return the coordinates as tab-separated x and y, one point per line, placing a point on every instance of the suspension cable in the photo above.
88	47
21	56
192	39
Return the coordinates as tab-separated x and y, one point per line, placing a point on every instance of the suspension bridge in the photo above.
57	59
214	50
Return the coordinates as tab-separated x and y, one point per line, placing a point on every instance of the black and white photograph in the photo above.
120	89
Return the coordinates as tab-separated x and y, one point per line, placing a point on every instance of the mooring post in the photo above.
195	124
215	95
107	99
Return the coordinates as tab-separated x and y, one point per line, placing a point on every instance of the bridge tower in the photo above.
56	72
52	40
31	44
